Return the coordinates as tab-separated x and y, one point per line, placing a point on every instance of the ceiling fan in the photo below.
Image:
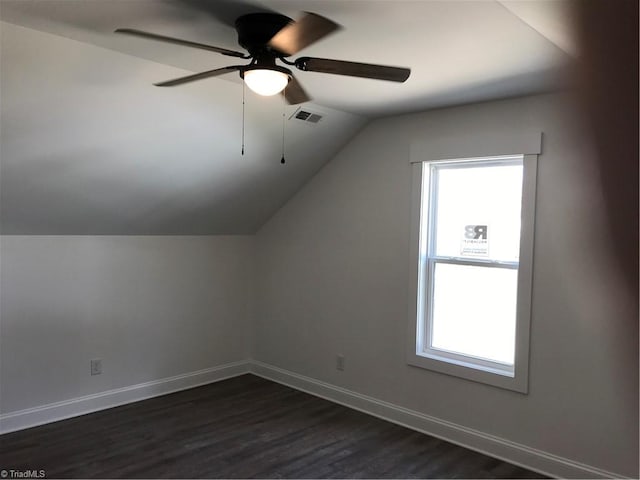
268	37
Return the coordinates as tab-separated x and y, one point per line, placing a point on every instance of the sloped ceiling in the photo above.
89	146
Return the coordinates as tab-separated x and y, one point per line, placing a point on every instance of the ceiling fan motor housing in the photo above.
256	29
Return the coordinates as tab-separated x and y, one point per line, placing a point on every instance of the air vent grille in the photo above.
307	116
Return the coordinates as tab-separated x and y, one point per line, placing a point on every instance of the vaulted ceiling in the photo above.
89	146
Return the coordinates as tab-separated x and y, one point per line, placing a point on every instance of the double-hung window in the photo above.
474	261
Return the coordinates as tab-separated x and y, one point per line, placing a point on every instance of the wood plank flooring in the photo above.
244	427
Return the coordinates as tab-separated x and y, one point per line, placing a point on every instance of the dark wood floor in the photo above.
245	427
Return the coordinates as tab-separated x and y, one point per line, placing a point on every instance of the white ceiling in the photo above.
90	146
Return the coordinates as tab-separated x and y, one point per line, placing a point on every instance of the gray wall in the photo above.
151	307
333	277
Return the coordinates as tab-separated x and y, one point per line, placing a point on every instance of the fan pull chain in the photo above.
243	91
283	115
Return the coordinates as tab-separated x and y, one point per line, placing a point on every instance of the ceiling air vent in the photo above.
307	116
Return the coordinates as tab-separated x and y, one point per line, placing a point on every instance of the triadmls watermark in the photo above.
11	473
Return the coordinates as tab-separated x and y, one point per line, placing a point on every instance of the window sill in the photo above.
470	371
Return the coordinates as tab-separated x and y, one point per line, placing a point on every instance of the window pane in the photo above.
478	211
474	311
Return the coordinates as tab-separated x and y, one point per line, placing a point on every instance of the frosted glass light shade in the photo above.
266	82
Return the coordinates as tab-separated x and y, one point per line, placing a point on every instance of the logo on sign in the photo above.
475	232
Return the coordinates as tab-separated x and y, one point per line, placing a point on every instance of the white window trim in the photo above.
512	379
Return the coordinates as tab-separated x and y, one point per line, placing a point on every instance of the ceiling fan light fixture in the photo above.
266	82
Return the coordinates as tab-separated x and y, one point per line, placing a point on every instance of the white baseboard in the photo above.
527	457
53	412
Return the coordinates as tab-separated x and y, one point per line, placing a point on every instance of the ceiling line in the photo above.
569	52
94	45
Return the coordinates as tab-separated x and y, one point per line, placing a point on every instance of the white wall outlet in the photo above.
340	362
96	366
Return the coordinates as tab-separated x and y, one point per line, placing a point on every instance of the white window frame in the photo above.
471	368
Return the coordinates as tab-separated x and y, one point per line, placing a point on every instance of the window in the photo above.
474	252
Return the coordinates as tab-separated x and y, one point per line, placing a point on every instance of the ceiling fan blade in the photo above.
302	33
353	69
186	43
294	93
198	76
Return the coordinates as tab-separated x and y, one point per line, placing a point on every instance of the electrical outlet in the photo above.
96	366
340	362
